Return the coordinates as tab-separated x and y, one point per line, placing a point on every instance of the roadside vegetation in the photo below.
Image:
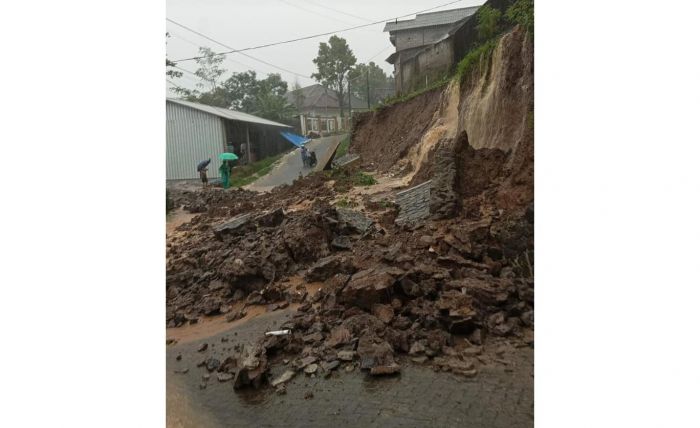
343	147
246	174
345	179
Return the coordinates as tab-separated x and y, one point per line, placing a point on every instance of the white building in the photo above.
196	132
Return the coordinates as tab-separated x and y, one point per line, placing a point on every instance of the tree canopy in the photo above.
241	91
169	65
333	61
380	85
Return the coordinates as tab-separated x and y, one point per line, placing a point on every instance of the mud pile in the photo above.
433	292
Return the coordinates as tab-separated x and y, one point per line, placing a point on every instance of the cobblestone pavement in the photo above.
499	396
290	165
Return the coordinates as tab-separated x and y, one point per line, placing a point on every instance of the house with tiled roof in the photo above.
319	110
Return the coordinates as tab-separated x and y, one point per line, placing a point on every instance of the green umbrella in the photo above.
228	156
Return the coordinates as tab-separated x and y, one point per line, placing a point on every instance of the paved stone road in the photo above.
498	396
290	165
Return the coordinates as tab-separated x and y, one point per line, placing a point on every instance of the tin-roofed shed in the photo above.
195	132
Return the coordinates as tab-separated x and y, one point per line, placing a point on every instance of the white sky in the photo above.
245	23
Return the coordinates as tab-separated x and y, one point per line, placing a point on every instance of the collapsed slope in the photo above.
387	293
493	106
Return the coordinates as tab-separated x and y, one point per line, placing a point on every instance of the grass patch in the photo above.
346	179
344	203
463	68
473	58
362	179
407	97
246	174
343	147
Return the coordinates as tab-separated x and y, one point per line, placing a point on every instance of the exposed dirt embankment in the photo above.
491	109
384	137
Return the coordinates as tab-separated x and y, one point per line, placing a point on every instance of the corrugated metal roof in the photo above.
227	114
432	19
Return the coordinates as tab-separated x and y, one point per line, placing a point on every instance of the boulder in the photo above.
366	288
340	335
374	351
341	243
385	313
232	226
327	267
271	218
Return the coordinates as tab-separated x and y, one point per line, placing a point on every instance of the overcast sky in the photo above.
246	23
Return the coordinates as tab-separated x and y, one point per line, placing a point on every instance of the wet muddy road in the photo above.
499	396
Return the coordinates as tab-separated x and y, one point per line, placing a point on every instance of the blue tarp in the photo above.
295	139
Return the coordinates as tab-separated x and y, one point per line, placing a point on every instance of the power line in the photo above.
378	53
234	50
198	45
314	12
339	11
320	34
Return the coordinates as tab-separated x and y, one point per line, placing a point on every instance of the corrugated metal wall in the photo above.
191	136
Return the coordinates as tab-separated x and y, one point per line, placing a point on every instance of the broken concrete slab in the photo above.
353	220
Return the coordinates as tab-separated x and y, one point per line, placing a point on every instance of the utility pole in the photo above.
368	106
349	101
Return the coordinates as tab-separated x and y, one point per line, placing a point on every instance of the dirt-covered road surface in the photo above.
501	396
290	166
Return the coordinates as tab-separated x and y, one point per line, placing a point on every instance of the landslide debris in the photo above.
437	292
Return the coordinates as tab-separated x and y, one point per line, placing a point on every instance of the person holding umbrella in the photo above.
225	169
202	170
304	156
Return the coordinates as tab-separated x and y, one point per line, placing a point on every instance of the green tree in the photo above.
210	69
488	20
242	90
273	107
169	65
522	12
378	82
334	60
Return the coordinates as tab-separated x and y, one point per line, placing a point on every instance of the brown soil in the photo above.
384	137
365	284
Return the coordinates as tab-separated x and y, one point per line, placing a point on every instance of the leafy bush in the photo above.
522	12
488	20
362	179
